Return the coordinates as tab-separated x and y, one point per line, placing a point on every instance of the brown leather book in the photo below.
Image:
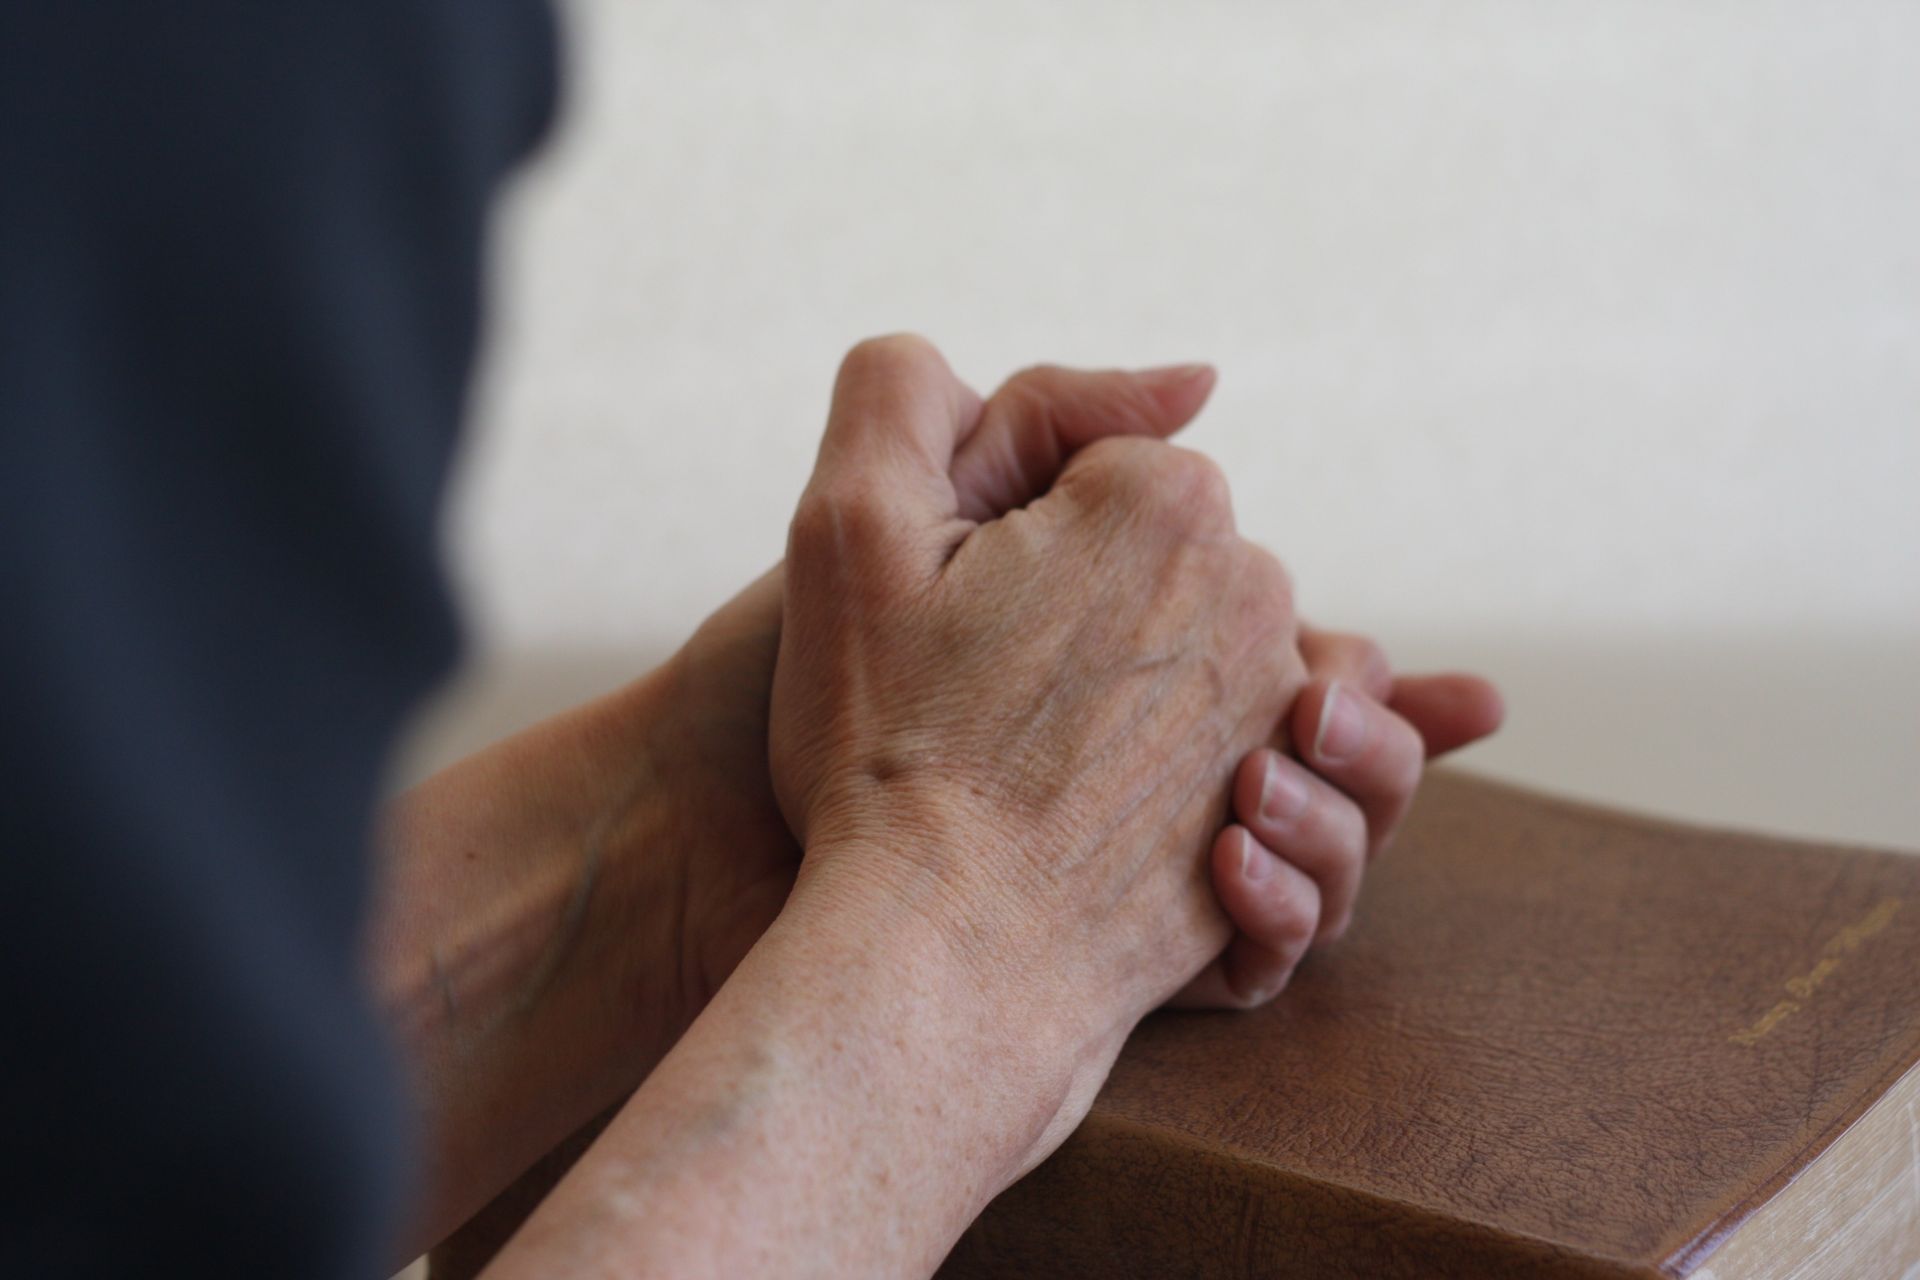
1557	1042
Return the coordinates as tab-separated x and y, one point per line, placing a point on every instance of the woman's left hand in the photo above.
1306	822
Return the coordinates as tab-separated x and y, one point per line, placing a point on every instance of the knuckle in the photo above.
1171	496
1170	488
1111	470
1126	457
1288	931
1035	382
1193	487
1263	599
1370	662
812	527
841	523
1270	582
1031	396
1346	825
1293	913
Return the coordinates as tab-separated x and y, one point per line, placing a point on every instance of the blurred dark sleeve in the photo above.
240	252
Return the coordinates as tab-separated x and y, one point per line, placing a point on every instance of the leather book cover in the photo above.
1558	1041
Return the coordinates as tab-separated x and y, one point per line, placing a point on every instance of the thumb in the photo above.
1040	417
898	415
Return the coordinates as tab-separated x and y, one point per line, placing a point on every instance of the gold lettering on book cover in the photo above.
1802	986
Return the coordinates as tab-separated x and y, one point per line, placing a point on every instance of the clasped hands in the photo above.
1033	684
1022	741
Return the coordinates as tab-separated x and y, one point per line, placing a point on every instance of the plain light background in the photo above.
1577	343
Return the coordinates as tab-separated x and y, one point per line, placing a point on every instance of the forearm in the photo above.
844	1108
522	951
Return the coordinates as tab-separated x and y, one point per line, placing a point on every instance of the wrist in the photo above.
846	1082
514	949
978	981
712	810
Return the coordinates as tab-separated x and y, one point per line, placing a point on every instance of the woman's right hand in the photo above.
1019	735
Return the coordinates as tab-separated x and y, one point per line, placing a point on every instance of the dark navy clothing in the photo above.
240	269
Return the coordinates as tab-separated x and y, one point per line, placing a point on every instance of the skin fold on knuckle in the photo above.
1256	633
1107	476
1031	399
1326	842
1187	494
1271	586
1037	390
1257	608
1347	655
1177	494
1281	912
844	536
1386	776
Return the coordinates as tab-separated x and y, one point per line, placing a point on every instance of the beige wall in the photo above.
1577	341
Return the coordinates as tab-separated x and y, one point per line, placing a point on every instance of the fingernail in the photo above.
1343	727
1255	863
1283	792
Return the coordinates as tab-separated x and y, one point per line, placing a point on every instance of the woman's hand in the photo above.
1307	821
709	721
653	809
1003	746
1308	817
1018	735
730	861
